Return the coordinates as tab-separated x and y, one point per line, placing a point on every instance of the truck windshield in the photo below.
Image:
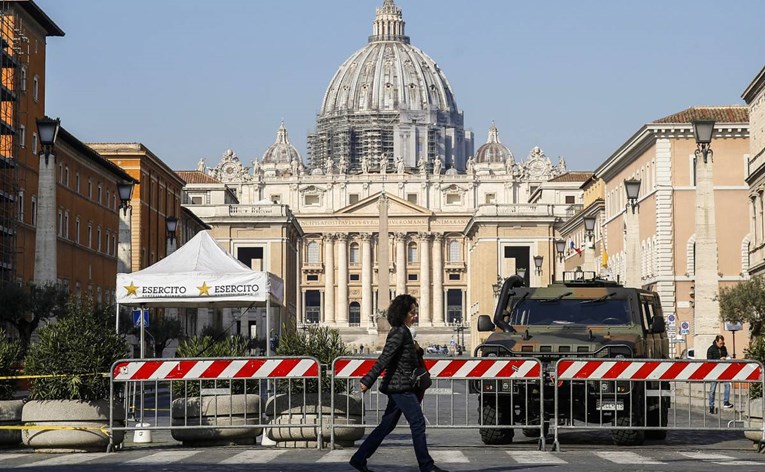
571	312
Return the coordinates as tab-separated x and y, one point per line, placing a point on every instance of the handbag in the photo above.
421	379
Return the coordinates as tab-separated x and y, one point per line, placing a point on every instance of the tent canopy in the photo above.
199	273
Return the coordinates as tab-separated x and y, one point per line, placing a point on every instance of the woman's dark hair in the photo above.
399	308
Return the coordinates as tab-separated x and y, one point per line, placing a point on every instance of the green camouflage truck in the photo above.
579	317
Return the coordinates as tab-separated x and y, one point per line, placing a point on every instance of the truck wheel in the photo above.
494	436
653	420
627	437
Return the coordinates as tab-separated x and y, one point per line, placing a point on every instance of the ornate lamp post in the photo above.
560	248
632	228
171	224
706	312
590	263
124	251
538	261
46	270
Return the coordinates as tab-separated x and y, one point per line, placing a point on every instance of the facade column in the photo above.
329	279
707	309
632	248
124	244
439	316
366	278
400	263
426	315
342	279
299	314
46	237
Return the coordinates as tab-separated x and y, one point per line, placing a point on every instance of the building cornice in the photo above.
755	87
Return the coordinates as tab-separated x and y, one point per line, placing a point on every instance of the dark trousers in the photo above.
408	404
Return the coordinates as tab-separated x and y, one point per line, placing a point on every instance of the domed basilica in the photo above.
391	199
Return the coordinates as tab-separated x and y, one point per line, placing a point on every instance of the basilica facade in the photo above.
391	199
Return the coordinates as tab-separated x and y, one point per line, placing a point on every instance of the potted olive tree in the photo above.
297	402
74	355
10	409
215	402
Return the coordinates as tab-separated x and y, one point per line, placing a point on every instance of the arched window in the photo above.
411	253
454	253
354	314
354	258
312	253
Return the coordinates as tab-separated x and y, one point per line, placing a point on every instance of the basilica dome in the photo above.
493	151
388	74
281	152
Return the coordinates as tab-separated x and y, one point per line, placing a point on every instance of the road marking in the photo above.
259	456
452	457
338	455
704	456
164	457
535	457
440	391
5	457
68	459
622	457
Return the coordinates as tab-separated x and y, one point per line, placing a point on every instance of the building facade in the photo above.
391	200
754	96
680	240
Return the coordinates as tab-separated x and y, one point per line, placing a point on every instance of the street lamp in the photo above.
632	187
47	130
497	287
521	271
703	130
171	223
538	264
589	227
560	248
125	191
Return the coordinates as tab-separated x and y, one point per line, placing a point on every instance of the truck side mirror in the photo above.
658	325
485	324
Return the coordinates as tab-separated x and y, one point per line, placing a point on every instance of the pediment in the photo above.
396	207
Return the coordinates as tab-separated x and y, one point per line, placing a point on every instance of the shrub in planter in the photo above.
240	407
295	405
79	350
10	409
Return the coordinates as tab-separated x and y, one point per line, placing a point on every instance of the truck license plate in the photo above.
609	406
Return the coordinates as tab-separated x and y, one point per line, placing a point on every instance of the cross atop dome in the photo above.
389	24
493	134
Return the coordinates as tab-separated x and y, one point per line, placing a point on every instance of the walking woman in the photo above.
398	359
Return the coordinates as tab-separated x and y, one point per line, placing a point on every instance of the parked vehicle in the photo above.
574	318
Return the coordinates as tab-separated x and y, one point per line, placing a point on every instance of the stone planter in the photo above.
10	415
347	411
216	410
71	413
753	419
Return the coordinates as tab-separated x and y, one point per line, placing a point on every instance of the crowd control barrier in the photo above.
215	399
460	388
644	399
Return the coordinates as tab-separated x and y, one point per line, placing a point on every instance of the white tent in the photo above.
199	273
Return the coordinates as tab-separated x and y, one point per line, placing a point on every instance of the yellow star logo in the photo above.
131	289
204	289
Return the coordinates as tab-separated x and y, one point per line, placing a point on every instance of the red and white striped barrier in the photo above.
658	370
483	368
191	369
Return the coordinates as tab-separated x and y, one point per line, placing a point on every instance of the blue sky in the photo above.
192	78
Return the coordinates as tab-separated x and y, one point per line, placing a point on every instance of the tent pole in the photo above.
268	323
117	320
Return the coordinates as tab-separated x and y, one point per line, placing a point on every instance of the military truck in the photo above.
582	316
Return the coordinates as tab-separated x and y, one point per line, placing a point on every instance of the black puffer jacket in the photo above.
398	359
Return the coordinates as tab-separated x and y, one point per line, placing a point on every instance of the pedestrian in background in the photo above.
718	351
399	359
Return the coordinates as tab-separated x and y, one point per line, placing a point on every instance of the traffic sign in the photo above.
733	326
671	319
137	317
453	342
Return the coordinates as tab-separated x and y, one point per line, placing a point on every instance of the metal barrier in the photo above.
218	397
639	399
491	385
